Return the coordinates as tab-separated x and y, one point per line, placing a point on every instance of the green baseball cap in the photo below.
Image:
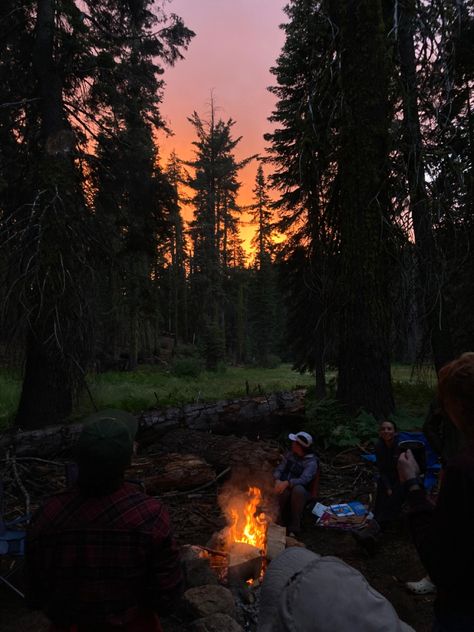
106	441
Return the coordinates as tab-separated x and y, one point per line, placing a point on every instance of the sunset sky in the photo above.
236	43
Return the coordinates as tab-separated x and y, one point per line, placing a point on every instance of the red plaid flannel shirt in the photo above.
93	560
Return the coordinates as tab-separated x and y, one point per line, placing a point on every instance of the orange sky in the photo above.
236	43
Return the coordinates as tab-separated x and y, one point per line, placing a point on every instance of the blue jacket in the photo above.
297	470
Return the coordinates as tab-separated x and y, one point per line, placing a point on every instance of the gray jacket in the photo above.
305	592
296	469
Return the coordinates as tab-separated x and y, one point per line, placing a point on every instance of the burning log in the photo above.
245	562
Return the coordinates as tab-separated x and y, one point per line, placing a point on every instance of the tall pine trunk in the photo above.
429	266
364	361
52	369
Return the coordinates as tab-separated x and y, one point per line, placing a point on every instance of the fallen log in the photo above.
227	416
172	472
224	417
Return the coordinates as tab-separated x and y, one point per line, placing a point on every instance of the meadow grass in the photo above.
149	387
10	388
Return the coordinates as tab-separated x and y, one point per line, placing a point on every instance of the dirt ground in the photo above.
197	516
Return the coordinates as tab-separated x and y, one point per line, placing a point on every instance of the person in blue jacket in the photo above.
293	479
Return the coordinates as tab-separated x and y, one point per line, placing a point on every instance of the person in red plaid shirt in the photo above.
100	556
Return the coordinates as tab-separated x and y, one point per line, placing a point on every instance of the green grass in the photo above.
148	387
10	388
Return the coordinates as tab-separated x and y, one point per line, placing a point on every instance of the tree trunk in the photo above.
429	265
51	369
46	395
364	365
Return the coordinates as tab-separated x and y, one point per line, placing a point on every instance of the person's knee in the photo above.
299	491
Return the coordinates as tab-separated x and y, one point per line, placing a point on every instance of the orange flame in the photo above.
249	526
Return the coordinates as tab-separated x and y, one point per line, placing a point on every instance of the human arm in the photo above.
165	579
280	468
307	475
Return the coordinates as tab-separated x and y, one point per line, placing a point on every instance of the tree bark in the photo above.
364	364
47	390
429	266
249	414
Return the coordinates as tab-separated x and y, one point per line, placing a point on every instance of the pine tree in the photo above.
178	284
77	57
263	301
303	148
214	187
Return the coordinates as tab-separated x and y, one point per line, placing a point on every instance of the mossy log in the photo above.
238	416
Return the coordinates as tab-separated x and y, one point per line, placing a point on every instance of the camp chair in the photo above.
12	545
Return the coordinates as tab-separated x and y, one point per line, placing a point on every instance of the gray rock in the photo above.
203	601
197	572
216	623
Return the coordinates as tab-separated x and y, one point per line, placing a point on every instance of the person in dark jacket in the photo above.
389	498
447	441
390	493
443	533
293	479
100	556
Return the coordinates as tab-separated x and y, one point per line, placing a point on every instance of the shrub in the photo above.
186	367
272	361
214	346
331	424
186	350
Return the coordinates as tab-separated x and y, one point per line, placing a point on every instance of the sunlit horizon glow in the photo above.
229	60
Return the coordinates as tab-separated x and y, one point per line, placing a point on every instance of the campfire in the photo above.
249	523
247	537
239	553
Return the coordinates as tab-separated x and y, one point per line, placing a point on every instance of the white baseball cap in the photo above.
301	437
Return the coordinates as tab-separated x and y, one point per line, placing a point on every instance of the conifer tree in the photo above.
303	148
214	187
178	284
263	300
78	58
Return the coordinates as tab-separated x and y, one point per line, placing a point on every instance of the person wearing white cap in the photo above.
306	592
293	479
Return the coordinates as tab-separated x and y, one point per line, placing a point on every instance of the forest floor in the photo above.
197	516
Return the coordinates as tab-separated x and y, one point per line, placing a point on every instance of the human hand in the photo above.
407	466
280	486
